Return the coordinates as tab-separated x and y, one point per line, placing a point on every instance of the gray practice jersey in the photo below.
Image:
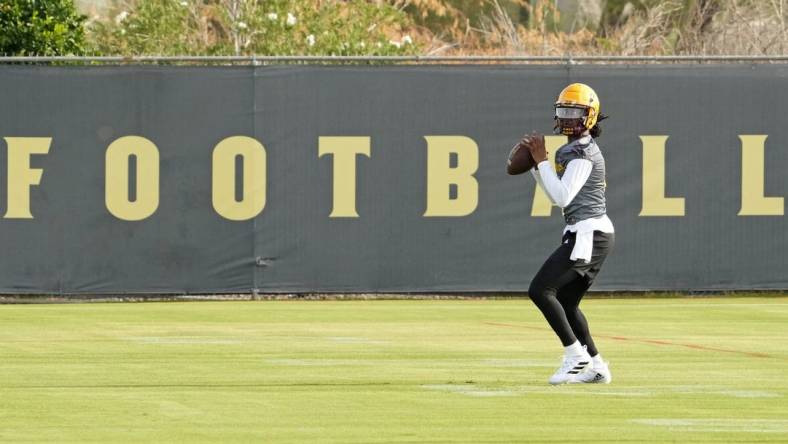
590	200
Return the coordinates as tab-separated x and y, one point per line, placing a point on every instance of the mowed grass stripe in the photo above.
390	371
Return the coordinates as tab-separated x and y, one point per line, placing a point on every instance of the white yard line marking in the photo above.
174	409
354	340
319	362
470	390
507	363
717	390
482	391
591	390
183	340
749	394
418	363
717	424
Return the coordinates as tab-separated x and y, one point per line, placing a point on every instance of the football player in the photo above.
577	185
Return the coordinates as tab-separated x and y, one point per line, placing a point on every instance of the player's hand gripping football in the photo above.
535	144
521	158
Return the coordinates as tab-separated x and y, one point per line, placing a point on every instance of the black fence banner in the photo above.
154	179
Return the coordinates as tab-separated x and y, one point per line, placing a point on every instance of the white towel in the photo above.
584	241
584	245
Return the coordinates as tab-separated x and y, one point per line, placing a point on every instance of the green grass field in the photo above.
474	371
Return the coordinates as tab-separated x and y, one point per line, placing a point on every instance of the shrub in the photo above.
41	27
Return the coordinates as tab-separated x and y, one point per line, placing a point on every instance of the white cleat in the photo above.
571	367
596	374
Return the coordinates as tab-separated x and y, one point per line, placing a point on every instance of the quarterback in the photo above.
577	185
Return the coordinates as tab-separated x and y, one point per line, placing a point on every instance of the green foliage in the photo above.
158	27
40	27
355	27
245	27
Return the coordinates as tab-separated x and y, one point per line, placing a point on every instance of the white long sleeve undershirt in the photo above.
562	191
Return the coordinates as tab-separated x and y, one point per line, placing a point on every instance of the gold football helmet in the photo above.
578	101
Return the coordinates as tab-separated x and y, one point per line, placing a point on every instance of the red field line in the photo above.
648	341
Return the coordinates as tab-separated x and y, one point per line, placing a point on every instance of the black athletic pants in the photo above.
561	283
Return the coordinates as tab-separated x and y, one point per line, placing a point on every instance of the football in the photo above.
520	159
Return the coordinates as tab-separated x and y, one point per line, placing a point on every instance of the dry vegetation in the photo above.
670	27
444	27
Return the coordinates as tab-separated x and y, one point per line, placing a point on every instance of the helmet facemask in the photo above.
570	120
